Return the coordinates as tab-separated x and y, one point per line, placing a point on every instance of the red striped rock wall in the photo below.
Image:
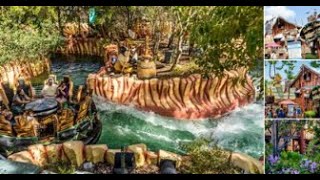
191	97
83	46
10	72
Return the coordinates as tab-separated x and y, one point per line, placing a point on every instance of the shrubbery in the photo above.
310	114
21	42
207	160
291	163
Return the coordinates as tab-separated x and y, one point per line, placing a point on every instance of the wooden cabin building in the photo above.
281	31
305	81
279	25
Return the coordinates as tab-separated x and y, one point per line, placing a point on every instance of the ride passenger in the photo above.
50	88
134	57
28	115
5	111
20	99
63	91
27	88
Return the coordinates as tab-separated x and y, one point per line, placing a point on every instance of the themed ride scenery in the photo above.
131	89
292	147
53	115
292	89
288	40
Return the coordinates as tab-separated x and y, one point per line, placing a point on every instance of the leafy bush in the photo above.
207	160
310	114
311	56
187	68
291	163
294	162
62	168
23	42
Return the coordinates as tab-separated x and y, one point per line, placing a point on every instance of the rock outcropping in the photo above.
74	152
10	72
191	97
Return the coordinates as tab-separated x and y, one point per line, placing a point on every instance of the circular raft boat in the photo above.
49	123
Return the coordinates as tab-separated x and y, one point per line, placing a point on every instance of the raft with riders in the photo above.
58	113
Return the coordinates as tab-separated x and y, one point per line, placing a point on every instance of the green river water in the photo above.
242	130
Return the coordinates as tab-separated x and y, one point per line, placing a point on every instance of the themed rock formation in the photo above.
54	152
191	97
79	42
81	46
38	152
76	153
139	153
246	162
95	153
10	72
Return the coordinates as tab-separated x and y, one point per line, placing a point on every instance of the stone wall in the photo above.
10	72
191	97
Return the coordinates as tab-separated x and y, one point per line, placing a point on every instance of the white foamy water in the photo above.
241	130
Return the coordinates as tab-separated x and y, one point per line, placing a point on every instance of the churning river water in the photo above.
242	130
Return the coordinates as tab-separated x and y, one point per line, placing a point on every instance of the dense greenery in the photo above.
292	163
24	35
17	43
205	159
229	37
289	162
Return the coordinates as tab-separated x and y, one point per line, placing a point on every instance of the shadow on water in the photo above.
76	67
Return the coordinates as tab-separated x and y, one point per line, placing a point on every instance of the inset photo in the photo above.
292	32
292	89
292	147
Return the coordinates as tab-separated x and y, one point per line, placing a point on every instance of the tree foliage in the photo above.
230	36
288	162
27	33
288	67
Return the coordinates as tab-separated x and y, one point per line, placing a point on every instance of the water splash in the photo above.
241	130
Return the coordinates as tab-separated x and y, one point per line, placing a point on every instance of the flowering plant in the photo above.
291	163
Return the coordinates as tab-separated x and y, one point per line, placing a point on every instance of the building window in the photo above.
307	76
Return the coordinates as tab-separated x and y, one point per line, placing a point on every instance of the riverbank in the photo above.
77	156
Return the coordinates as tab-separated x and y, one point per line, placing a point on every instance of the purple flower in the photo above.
273	159
295	172
313	167
305	163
